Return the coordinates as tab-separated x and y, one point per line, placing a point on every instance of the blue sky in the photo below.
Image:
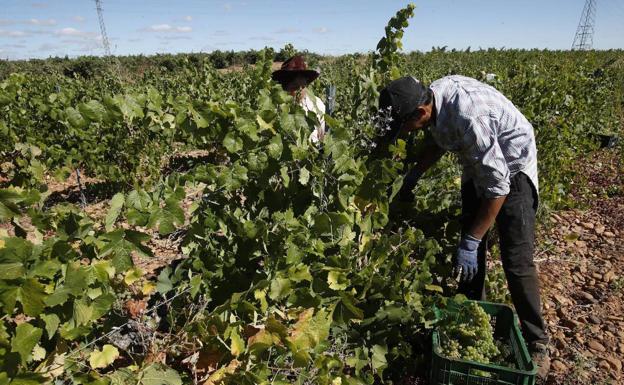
42	28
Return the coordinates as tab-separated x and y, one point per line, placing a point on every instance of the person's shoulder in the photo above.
447	82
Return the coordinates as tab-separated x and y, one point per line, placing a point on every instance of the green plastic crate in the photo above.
447	371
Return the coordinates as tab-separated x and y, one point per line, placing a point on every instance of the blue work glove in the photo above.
466	260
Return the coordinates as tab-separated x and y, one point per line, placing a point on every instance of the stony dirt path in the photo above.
581	265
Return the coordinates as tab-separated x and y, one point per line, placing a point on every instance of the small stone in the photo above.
615	363
608	276
605	365
569	323
585	295
608	234
599	229
597	346
595	320
587	225
561	299
559	366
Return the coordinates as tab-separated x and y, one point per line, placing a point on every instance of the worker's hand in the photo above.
466	259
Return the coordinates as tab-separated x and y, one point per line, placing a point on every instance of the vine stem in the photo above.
83	199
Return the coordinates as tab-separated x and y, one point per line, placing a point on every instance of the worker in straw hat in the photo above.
294	76
496	146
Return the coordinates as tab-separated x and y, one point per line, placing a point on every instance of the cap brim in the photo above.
281	76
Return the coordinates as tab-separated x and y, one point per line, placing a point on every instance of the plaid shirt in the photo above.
491	136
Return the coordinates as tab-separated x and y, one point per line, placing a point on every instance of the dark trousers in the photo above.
516	228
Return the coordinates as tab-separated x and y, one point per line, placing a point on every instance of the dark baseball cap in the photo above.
401	98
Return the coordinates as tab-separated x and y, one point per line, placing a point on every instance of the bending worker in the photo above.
496	146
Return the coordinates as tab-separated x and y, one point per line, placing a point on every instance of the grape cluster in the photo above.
467	334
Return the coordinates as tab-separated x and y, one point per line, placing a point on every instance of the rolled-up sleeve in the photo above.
484	157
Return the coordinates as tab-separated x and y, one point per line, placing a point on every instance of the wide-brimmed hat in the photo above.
294	66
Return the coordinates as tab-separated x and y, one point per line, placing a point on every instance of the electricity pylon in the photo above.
584	38
98	6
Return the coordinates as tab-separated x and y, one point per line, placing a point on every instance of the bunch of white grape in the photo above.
468	335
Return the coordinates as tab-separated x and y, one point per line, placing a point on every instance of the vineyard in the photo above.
173	224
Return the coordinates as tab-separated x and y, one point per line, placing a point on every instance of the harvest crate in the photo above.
447	371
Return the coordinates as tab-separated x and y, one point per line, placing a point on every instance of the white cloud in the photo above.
168	28
78	18
227	7
283	31
175	37
42	22
39	5
69	31
188	18
88	41
48	47
262	38
321	30
7	22
12	33
72	38
160	28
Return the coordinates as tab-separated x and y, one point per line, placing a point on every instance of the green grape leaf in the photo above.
26	337
32	296
101	359
280	287
116	205
378	360
160	375
337	280
52	322
237	345
11	270
232	142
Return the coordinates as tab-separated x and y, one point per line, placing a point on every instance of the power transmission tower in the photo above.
98	6
584	38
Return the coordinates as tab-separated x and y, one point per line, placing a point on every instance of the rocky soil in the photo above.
581	264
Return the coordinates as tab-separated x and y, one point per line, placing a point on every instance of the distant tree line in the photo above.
90	66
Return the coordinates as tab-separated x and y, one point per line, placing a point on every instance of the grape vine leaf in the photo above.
116	205
26	337
101	359
160	375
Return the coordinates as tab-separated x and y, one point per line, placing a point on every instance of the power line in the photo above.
98	6
584	37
